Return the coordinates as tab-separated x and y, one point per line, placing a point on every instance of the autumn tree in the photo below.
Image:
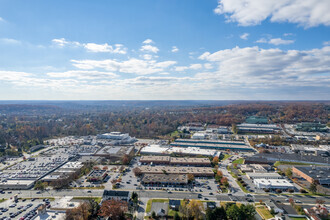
224	181
196	209
313	187
82	212
115	209
125	160
215	161
288	172
191	177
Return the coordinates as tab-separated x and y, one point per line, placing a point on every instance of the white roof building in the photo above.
272	184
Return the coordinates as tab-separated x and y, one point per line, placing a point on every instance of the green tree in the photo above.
288	172
313	187
233	212
176	216
219	213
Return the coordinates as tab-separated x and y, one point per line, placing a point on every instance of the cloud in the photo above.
82	74
270	67
9	41
326	43
195	66
309	13
275	41
92	47
132	65
148	41
244	36
62	42
174	49
96	48
149	48
1	19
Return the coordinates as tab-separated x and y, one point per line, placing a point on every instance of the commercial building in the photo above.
199	136
97	176
252	168
167	150
256	120
115	153
196	171
273	184
213	144
271	158
116	195
155	160
117	137
182	161
165	179
313	173
17	184
310	150
311	127
258	128
254	176
72	166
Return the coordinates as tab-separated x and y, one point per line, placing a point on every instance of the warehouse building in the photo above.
213	144
254	176
273	184
165	179
258	128
196	171
182	161
114	153
313	173
166	150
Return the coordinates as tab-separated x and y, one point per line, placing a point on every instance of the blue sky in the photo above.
164	49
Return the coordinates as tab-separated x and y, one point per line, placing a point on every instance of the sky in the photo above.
164	50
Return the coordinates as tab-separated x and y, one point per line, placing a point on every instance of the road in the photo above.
162	194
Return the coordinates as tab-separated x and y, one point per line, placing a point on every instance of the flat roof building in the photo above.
167	150
254	176
196	171
184	161
273	184
165	179
213	144
116	195
313	173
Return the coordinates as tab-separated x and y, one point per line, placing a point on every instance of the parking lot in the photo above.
22	209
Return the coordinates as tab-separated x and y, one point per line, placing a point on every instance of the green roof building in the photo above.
256	120
311	127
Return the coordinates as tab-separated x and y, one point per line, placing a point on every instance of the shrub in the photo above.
302	191
266	190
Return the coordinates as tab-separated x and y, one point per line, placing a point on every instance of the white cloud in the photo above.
1	19
252	12
208	66
269	67
175	49
62	42
148	41
133	65
9	41
149	48
262	40
82	74
194	66
275	41
279	41
326	43
244	36
92	47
